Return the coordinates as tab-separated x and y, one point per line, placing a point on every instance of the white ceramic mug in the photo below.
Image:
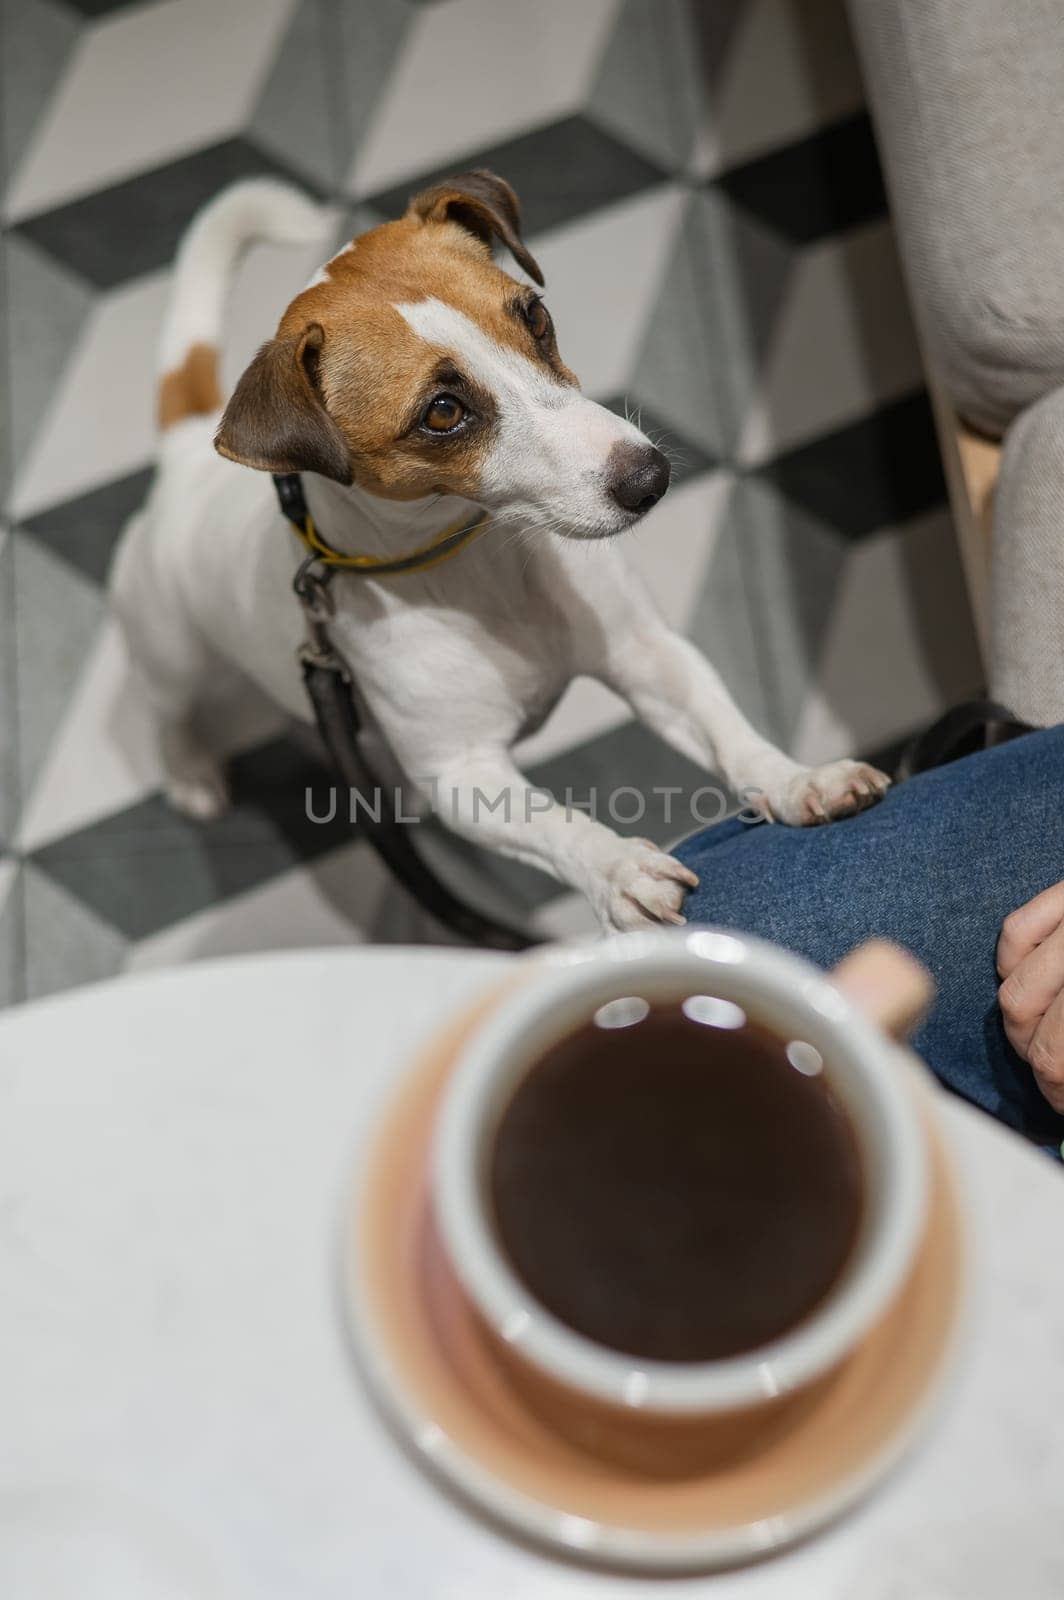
864	1068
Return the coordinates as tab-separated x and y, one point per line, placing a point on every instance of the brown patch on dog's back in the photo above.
192	388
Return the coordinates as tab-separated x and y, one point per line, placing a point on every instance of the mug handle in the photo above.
889	985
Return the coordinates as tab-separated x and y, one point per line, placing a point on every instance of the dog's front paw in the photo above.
821	794
644	887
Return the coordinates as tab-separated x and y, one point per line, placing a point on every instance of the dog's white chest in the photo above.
442	677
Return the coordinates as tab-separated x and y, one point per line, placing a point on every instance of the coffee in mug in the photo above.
676	1182
679	1175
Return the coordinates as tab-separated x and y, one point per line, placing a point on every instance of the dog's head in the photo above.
413	365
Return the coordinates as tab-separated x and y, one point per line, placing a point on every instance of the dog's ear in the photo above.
275	419
485	205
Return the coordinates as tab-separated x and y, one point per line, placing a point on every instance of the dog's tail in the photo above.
259	208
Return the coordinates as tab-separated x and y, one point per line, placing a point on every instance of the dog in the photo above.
416	385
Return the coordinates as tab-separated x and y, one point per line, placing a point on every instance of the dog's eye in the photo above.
443	413
538	318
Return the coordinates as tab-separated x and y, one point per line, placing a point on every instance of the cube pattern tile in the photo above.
700	183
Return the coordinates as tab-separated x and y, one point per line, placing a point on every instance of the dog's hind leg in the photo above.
173	668
195	782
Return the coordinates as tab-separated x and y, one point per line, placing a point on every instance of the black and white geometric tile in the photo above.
700	184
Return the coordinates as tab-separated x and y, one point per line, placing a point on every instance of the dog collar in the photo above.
449	543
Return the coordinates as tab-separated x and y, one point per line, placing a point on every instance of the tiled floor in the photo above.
700	184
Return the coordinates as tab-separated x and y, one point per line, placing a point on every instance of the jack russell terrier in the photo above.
417	385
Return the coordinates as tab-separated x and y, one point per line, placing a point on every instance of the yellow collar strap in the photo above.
445	545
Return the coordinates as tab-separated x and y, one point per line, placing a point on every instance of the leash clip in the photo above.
312	591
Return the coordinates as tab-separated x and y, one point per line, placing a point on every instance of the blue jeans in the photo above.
937	866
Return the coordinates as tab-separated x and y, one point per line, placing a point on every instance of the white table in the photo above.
175	1153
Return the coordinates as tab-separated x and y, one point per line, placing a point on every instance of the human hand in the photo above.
1030	960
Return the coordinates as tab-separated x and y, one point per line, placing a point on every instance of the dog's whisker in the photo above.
661	439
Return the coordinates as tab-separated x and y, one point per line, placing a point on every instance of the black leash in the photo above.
331	691
962	731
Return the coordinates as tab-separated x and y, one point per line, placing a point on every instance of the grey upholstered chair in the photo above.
968	101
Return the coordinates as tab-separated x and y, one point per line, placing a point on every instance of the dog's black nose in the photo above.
639	476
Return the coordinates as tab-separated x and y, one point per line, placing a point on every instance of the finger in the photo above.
887	983
1019	1038
1032	986
1028	925
1046	1054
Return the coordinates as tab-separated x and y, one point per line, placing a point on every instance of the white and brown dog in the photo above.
413	382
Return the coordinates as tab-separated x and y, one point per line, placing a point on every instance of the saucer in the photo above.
422	1351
